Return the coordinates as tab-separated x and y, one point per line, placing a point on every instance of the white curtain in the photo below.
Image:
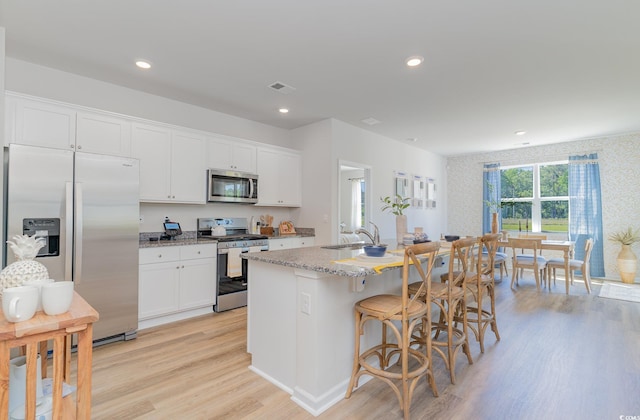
356	204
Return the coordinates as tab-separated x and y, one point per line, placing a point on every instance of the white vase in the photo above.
627	264
401	228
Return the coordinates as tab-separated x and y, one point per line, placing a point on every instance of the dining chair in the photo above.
481	284
574	265
400	314
449	298
522	260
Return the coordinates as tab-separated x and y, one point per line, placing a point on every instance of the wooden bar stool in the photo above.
399	314
449	297
481	284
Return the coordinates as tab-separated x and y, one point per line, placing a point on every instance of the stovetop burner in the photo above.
237	236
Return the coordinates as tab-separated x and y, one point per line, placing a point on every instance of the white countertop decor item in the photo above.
26	268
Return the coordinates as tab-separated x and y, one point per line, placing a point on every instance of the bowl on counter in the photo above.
375	250
451	238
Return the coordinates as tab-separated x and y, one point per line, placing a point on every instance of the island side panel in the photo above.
271	320
325	337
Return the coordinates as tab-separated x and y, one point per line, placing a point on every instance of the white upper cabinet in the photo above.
171	164
103	134
188	171
44	124
41	124
279	178
226	154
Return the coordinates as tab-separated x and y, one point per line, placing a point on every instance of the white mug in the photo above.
38	284
19	303
57	297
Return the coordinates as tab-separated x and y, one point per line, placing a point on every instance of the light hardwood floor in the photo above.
560	357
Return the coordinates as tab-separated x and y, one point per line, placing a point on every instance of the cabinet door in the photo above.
276	244
290	192
307	241
197	283
219	155
158	288
43	124
244	158
152	145
103	134
269	177
225	154
188	173
279	182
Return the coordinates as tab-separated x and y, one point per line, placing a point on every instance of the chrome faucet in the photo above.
375	238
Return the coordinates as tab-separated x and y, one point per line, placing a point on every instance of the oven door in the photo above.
232	291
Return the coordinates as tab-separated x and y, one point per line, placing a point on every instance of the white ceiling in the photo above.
560	70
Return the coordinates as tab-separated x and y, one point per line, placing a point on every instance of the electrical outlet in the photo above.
305	303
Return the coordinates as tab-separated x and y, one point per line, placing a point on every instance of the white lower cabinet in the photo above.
175	279
293	242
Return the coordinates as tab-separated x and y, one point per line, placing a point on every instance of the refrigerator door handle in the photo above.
68	246
77	274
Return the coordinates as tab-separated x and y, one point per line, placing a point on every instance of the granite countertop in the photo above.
323	260
190	238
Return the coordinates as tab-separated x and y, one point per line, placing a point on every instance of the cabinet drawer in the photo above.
159	254
190	252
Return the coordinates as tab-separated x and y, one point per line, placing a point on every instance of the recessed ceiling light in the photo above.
412	139
283	110
520	133
143	64
414	60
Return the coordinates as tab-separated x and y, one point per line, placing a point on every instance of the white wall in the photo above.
384	155
619	159
318	196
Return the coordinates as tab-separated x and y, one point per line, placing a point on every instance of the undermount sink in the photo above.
353	245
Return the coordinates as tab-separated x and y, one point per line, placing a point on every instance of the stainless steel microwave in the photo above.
232	187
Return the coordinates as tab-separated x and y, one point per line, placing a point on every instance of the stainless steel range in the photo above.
231	275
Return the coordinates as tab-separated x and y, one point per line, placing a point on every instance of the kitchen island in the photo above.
300	324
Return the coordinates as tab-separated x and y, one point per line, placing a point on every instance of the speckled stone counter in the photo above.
190	238
187	238
314	258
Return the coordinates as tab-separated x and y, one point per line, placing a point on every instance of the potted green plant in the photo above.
396	206
627	260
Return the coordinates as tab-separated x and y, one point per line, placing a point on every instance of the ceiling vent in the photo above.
282	88
370	121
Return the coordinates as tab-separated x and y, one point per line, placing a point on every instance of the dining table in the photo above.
567	248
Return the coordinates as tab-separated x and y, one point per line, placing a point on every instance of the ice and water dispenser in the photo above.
47	229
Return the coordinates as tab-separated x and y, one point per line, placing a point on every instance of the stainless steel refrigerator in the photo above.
86	207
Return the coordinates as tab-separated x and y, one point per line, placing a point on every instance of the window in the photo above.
535	197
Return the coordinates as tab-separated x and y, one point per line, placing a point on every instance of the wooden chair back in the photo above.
460	259
422	257
486	261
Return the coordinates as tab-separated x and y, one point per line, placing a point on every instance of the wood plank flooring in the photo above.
560	357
